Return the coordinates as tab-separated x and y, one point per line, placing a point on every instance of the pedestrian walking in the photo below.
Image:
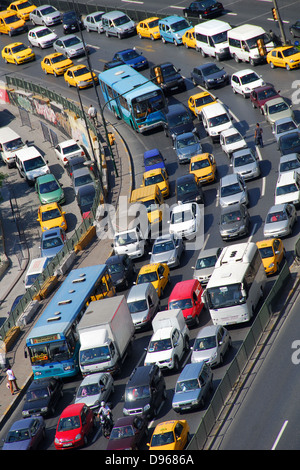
258	136
11	380
92	113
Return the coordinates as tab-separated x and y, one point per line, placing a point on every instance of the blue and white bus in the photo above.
53	343
133	98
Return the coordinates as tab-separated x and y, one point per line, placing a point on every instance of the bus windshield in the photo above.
225	296
48	352
147	103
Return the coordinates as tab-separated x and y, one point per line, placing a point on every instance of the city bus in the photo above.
133	98
236	284
53	343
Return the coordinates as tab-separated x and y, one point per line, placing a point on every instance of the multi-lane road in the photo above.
261	191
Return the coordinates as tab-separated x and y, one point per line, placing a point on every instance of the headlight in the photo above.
146	407
77	437
271	265
44	409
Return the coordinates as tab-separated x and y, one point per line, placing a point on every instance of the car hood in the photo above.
121	276
203	273
190	150
199	356
235	198
162	257
36	404
159	356
139	316
216	75
181	128
121	444
276	226
89	401
21	445
49	37
232	227
186	397
188	197
284	114
51	252
172	77
246	168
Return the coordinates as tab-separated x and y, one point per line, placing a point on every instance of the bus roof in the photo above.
67	302
222	275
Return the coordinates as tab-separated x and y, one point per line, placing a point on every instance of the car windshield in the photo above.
83	179
11	19
121	20
147	277
289	142
132	54
163	439
43	32
266	252
72	41
289	165
153	160
277	108
13	144
200	164
21	6
67	424
98	17
180	118
207	262
179	217
160	345
58	58
153	24
48	187
163	247
18	48
168	70
70	15
268	93
204	100
81	71
252	42
34	163
218	120
243	160
231	139
51	243
137	306
230	190
276	217
115	268
249	78
86	199
125	239
88	390
50	214
37	394
186	142
210	70
154	179
286	126
220	37
121	432
182	303
137	393
290	51
18	435
182	24
94	355
286	189
225	296
47	10
186	188
186	385
201	344
231	217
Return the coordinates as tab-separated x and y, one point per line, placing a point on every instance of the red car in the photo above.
127	433
75	424
260	95
187	295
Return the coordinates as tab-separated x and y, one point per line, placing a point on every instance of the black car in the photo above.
209	75
85	199
42	397
295	29
121	270
187	189
204	9
167	76
145	391
111	64
71	22
289	143
178	121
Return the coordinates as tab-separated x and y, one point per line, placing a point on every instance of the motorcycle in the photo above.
106	424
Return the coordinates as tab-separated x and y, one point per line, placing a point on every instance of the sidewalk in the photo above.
96	253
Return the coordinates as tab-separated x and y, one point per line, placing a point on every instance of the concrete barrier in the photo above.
86	239
46	288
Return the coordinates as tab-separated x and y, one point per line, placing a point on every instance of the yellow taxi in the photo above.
188	39
22	8
157	176
11	24
156	273
80	76
56	63
199	100
272	253
50	216
285	56
17	53
204	167
170	435
148	28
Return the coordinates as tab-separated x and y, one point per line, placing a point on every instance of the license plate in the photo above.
67	445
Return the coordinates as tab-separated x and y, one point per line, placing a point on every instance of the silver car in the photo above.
82	177
45	15
277	108
211	345
280	220
94	389
205	264
244	163
234	221
167	249
284	126
290	162
93	22
232	190
69	45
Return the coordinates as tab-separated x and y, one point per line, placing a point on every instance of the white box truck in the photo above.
106	331
169	341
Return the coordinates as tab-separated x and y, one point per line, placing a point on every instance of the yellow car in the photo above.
157	273
198	101
11	24
80	76
170	435
22	8
148	28
204	167
286	56
188	39
50	216
160	177
17	53
56	63
272	253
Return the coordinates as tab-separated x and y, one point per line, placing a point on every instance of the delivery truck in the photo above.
106	332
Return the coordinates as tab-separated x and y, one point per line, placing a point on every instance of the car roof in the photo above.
228	179
275	101
290	156
204	66
52	232
86	189
125	420
185	178
289	134
243	72
283	120
182	207
207	331
140	376
208	252
166	236
81	171
183	288
115	259
264	87
38	383
151	153
23	423
40	28
286	177
191	371
231	130
45	178
176	108
239	153
73	409
184	135
277	207
92	378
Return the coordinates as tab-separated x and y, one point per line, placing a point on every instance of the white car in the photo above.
231	140
244	81
41	37
45	15
288	188
93	22
185	220
67	150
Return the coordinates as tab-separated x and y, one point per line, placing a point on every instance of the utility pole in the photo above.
277	17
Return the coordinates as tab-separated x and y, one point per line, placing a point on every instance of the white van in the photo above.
215	119
36	267
211	39
31	164
117	23
10	141
288	188
243	43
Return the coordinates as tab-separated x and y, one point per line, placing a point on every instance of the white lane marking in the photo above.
279	435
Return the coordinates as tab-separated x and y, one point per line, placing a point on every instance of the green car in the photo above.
49	190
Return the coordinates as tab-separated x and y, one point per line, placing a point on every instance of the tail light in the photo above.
82	153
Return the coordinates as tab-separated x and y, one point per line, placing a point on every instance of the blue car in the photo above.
153	159
25	434
52	242
132	58
187	145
